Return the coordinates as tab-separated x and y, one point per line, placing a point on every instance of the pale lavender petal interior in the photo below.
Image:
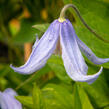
10	91
7	101
42	51
71	49
87	51
72	57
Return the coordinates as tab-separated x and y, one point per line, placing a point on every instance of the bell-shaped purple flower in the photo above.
73	60
8	101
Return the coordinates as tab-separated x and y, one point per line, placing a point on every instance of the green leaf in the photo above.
95	13
41	27
37	98
107	107
26	101
80	98
55	59
35	76
84	99
77	101
3	83
4	69
57	97
56	64
41	72
26	33
98	92
51	96
60	72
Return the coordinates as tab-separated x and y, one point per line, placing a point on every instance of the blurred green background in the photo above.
50	87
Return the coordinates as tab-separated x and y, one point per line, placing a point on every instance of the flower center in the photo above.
61	19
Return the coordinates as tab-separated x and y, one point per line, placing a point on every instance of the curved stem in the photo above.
26	81
62	15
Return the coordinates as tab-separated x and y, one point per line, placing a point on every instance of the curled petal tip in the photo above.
19	69
86	78
104	60
95	76
12	67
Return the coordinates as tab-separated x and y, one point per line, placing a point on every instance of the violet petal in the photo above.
87	51
8	101
73	61
42	51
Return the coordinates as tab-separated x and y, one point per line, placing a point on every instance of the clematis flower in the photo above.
7	100
71	45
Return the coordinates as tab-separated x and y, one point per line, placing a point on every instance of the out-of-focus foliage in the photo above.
51	87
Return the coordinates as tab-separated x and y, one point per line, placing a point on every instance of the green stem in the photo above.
62	16
26	81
